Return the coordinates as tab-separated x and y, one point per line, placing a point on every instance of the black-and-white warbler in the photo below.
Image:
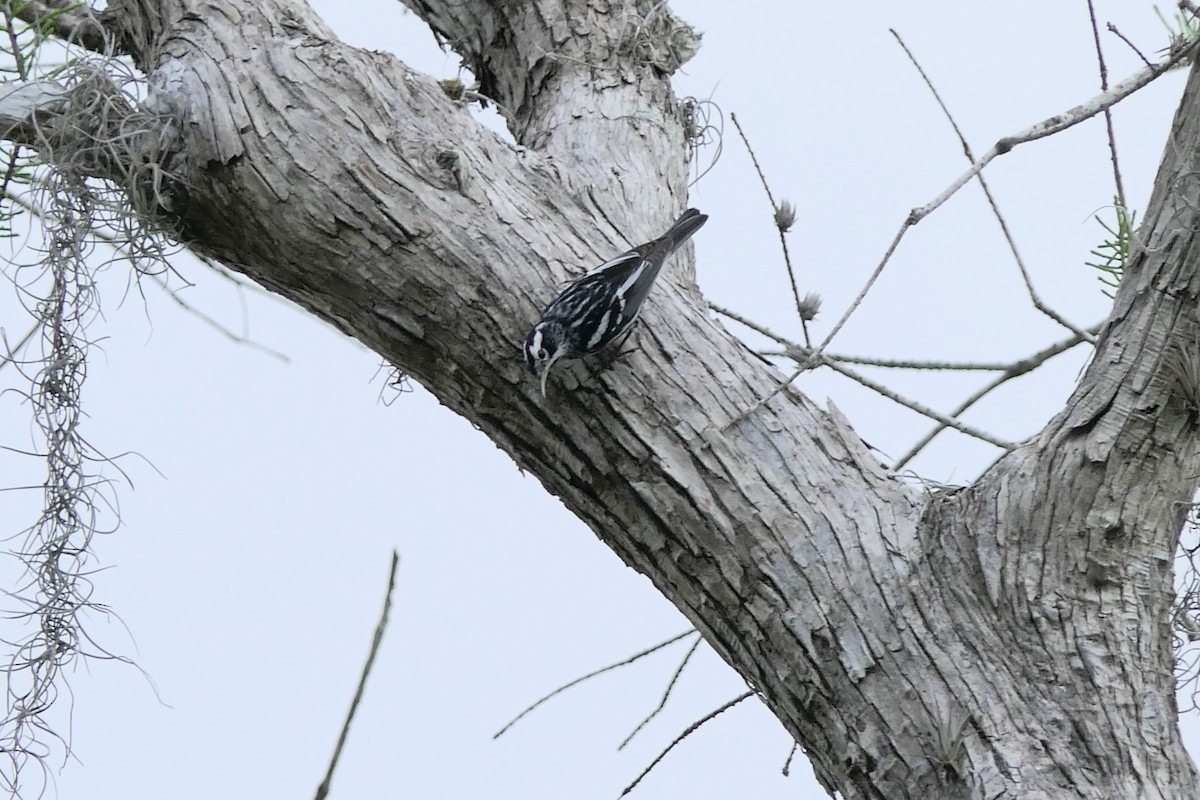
600	308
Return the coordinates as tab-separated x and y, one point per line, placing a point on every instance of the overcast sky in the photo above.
251	563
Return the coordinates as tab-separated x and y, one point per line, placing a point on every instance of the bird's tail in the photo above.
681	230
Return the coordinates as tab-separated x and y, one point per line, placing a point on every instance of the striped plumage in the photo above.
600	308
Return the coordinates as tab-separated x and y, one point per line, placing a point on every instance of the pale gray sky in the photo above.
250	574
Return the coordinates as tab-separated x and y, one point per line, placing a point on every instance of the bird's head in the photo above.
546	344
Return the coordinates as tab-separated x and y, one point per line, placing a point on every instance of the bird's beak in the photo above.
546	371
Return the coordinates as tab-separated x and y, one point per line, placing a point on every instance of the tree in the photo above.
1033	607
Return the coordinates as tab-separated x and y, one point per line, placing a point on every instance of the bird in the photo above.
600	308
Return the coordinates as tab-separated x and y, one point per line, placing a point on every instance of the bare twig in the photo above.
212	323
666	694
1047	127
688	732
323	789
10	353
779	387
917	365
1116	32
807	365
240	282
1108	118
590	675
1015	370
14	43
817	354
899	399
1055	124
241	285
866	361
787	765
754	160
1009	371
787	258
987	192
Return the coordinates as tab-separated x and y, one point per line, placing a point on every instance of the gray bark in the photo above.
1032	606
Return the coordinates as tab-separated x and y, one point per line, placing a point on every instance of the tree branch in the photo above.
1014	370
1034	298
686	733
662	703
1058	123
1102	67
776	210
73	22
569	684
830	585
22	104
376	640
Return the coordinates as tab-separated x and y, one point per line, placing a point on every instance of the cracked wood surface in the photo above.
1033	604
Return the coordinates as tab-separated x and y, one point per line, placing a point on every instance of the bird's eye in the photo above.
541	354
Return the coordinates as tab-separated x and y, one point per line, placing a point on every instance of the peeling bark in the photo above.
870	617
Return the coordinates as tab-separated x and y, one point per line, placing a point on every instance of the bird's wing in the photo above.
623	262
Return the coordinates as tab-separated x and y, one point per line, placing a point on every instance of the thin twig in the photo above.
908	223
866	361
237	280
666	695
1011	370
323	789
212	323
1114	30
1034	297
779	387
15	44
580	680
917	365
1047	127
1055	124
10	353
920	408
787	765
787	258
1016	370
754	160
688	732
241	285
1108	117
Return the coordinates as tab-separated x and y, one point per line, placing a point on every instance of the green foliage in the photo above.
20	44
1183	26
1112	255
18	170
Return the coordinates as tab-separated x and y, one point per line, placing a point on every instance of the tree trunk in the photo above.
1007	639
